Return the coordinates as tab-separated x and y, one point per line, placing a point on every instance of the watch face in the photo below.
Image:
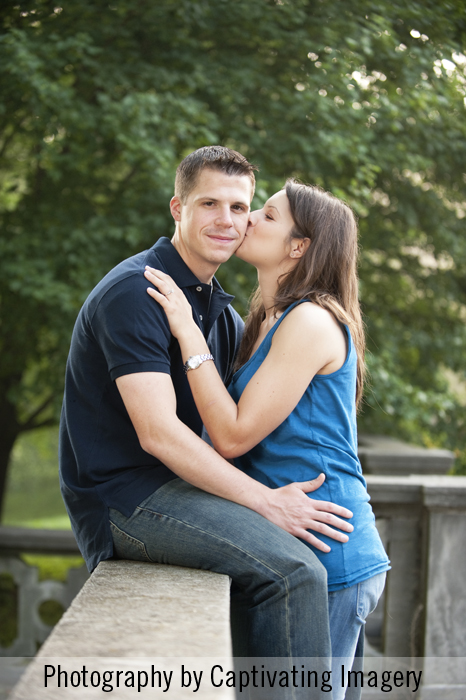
194	362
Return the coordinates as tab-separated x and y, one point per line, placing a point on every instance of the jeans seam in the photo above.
131	538
221	539
358	603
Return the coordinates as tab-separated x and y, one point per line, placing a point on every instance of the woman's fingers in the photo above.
172	299
162	281
161	298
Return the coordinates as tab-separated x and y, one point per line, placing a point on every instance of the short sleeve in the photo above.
131	329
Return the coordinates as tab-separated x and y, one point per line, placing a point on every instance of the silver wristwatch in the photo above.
194	361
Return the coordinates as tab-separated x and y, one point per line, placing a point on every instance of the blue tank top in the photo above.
320	435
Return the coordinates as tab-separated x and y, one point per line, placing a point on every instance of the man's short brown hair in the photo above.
219	158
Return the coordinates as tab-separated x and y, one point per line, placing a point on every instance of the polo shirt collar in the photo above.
174	263
177	269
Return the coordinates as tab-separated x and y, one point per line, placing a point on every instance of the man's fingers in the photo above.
332	510
330	519
311	539
335	523
312	484
323	529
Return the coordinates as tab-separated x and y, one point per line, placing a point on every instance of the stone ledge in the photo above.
16	540
131	609
432	491
385	455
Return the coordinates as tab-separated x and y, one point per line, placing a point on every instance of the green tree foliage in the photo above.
100	101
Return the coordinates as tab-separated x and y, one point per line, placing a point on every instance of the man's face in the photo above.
212	222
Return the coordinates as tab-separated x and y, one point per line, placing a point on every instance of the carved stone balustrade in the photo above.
31	592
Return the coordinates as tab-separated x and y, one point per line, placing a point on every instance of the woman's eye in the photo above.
267	216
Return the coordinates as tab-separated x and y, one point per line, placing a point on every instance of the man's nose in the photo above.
224	217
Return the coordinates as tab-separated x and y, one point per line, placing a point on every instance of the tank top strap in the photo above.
285	313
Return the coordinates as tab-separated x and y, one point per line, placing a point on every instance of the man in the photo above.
138	480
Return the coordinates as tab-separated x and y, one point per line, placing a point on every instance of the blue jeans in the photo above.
348	609
277	579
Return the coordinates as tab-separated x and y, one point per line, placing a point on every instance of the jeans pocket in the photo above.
128	547
369	592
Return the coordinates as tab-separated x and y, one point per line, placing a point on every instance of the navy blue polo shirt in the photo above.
120	330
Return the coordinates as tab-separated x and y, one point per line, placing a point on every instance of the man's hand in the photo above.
291	509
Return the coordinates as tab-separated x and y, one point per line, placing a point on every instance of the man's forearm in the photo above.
195	461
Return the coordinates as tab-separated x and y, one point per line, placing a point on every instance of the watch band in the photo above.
195	361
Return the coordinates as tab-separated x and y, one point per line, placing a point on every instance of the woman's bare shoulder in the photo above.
311	334
310	317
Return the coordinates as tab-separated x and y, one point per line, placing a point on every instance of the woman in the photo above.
290	411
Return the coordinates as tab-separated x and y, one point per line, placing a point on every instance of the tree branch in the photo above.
30	423
47	423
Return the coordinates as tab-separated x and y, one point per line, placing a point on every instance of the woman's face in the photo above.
266	244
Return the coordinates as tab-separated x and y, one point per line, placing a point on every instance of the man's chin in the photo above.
239	251
222	256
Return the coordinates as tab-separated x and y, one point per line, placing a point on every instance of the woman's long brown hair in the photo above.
326	274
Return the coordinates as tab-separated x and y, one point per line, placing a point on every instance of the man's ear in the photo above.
175	208
299	247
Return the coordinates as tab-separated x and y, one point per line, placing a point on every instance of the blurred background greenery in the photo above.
33	496
101	100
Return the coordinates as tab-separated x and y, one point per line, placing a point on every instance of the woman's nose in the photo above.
253	218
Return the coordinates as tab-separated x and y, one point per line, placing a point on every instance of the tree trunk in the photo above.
10	429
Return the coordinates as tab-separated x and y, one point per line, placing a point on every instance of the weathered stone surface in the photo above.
132	609
425	598
445	636
444	678
385	455
175	610
424	490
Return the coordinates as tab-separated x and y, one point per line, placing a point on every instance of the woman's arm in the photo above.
308	341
